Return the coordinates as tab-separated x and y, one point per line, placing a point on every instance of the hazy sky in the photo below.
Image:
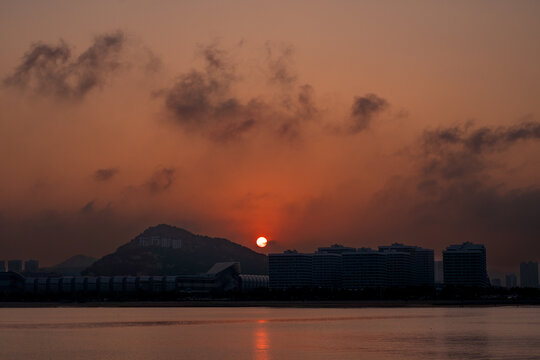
310	122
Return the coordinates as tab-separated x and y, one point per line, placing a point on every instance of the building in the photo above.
2	265
399	267
15	265
336	249
439	272
290	269
421	261
327	270
31	266
253	282
338	266
11	282
221	277
496	282
528	274
510	281
364	268
465	265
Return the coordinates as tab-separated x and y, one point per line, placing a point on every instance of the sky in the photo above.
362	123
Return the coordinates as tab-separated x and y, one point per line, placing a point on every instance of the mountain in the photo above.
72	266
168	250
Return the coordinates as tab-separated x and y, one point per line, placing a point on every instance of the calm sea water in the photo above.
270	333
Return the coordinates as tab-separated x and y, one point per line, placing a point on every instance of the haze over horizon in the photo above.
309	123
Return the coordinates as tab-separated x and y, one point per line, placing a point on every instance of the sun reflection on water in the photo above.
262	344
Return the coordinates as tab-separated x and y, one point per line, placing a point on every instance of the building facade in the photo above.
528	274
511	281
364	268
421	260
439	272
344	267
290	269
327	271
31	266
465	265
15	265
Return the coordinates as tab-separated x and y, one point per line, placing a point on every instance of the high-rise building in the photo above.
364	268
510	281
496	282
290	269
465	265
2	265
399	267
439	272
31	266
339	266
327	270
528	274
15	265
421	260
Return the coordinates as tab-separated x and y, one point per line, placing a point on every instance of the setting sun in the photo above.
262	242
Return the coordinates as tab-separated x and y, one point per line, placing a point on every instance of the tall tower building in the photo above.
528	274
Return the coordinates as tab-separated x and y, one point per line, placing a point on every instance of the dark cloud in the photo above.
280	61
161	180
364	108
52	70
481	140
105	174
202	101
451	199
459	151
88	208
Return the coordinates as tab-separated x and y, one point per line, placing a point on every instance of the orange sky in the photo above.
309	122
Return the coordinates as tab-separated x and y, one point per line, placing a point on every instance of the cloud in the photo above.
279	60
203	102
450	198
52	70
364	108
88	208
105	174
161	180
459	151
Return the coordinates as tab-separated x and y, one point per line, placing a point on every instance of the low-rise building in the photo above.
15	266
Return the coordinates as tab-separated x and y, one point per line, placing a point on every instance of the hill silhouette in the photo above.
72	266
168	250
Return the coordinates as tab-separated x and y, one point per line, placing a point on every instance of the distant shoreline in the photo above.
273	304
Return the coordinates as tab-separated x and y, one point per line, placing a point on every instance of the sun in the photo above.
262	242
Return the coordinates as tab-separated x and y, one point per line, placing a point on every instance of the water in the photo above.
270	333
